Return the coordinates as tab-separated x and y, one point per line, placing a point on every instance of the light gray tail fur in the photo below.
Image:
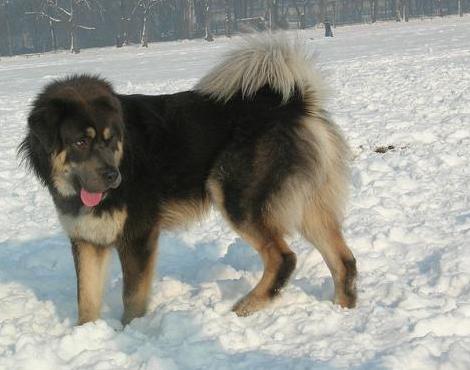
283	64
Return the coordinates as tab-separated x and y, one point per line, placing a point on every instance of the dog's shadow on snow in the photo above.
45	266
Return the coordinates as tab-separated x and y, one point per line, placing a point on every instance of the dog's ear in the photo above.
43	122
43	128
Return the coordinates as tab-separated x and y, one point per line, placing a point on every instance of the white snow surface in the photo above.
408	224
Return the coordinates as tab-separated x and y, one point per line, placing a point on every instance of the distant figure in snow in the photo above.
328	30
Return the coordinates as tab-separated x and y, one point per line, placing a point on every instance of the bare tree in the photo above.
333	4
122	38
397	11
41	15
228	18
4	5
322	6
439	8
184	18
272	14
208	20
66	22
300	14
146	7
68	18
405	10
373	10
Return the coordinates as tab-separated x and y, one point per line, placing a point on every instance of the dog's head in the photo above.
78	122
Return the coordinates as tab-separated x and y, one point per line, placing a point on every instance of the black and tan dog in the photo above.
252	139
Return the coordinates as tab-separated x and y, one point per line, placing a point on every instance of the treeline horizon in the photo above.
37	26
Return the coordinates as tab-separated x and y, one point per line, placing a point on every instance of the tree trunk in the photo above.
144	37
397	11
74	47
322	5
373	10
228	18
300	15
123	36
209	36
273	14
249	8
9	38
53	36
334	14
183	21
188	16
460	7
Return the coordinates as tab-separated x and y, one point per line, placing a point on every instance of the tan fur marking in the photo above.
91	264
271	250
182	213
101	230
217	196
118	153
322	230
61	174
215	191
106	133
91	132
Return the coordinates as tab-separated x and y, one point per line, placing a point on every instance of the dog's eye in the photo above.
109	140
81	144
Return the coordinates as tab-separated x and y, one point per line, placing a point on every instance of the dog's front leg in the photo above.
90	266
138	263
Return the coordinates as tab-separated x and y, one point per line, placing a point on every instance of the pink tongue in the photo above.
90	199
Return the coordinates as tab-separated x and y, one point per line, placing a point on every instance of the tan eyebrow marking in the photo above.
90	131
106	133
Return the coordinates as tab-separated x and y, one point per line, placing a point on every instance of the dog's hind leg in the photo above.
278	259
321	228
279	263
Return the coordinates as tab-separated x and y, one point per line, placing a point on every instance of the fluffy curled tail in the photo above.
268	60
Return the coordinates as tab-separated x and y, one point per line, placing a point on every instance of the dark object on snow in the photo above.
328	30
384	149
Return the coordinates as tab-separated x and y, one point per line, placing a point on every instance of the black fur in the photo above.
173	142
288	263
350	280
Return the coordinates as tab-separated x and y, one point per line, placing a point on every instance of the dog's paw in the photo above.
347	299
249	305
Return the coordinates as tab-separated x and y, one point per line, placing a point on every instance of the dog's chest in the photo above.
103	229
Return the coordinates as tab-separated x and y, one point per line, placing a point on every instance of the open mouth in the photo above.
90	199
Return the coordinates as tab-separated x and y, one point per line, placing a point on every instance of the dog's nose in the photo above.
111	176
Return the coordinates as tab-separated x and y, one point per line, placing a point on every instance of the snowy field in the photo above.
408	223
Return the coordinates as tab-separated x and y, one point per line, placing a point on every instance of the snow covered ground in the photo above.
408	223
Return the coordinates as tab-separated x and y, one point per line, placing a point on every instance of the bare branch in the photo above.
153	4
66	12
85	27
44	15
87	4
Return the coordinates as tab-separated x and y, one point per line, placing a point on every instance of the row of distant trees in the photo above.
34	26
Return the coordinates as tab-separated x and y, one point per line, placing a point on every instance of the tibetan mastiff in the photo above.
251	139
